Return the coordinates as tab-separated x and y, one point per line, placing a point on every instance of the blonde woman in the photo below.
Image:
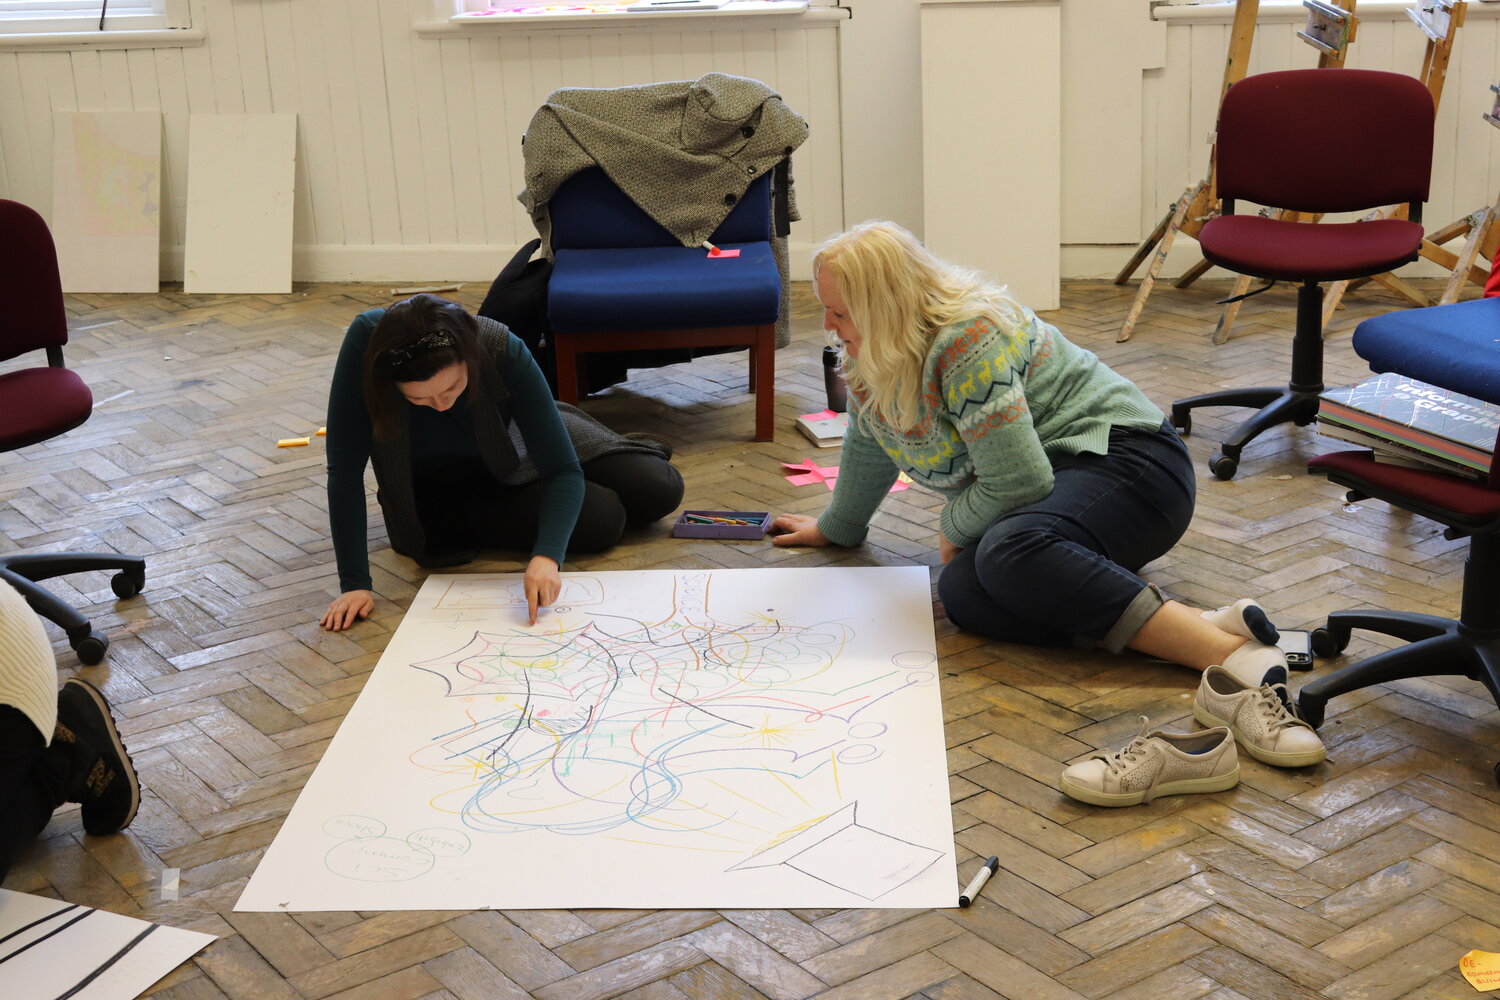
1062	479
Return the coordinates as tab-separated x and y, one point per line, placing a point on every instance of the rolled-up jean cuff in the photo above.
1137	613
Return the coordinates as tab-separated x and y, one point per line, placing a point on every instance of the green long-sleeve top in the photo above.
438	440
996	403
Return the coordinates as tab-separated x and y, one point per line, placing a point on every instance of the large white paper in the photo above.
106	200
49	947
729	739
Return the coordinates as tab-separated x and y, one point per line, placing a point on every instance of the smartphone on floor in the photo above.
1296	644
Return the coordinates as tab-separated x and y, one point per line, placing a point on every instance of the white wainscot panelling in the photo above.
408	147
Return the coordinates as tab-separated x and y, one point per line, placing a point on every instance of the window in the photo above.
68	16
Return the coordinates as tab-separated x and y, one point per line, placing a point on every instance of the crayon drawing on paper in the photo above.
728	738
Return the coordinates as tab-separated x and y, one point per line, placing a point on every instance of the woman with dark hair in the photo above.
470	452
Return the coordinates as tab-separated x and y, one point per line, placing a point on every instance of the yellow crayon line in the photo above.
679	847
731	791
784	782
731	819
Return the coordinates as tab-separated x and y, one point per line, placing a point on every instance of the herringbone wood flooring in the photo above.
1366	877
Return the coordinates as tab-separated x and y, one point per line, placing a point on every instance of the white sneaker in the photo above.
1259	719
1155	763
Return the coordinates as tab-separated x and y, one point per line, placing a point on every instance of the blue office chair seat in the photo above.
641	288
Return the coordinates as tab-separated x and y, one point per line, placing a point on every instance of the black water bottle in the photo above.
833	381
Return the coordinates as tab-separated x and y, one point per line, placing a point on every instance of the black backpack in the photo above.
518	298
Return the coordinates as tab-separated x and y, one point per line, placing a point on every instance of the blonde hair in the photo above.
900	294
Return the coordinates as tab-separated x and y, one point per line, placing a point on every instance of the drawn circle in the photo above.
858	753
378	859
561	609
353	827
811	638
441	841
912	659
867	730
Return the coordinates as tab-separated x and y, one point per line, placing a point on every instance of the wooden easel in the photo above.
1330	29
1439	20
1198	204
1483	227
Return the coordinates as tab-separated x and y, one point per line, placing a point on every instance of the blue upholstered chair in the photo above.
1456	347
1277	147
620	282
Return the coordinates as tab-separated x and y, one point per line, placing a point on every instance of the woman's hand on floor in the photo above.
543	582
348	608
797	529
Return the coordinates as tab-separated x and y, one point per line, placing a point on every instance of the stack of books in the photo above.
1408	422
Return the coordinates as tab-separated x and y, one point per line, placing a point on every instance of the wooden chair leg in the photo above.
567	370
763	363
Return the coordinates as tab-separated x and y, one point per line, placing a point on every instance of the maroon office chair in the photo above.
1312	141
41	403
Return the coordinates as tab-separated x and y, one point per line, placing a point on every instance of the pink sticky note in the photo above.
820	415
805	479
716	252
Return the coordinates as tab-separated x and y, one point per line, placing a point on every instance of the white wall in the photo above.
408	146
408	161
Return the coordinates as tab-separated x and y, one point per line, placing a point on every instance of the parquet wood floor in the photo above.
1362	879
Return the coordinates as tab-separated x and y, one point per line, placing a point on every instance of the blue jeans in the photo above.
1062	571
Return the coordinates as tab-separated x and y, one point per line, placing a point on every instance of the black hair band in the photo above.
399	356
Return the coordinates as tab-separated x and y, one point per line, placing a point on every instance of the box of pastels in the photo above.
721	524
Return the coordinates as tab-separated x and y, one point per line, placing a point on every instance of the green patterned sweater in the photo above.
996	405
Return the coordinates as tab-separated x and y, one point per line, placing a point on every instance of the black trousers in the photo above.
463	508
34	780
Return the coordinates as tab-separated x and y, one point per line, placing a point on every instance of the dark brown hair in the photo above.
415	339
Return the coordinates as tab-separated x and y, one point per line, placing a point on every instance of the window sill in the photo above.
735	15
150	38
1272	11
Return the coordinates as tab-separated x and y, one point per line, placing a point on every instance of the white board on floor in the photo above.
747	738
241	171
106	200
52	948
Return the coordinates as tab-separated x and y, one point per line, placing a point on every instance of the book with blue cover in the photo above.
1436	421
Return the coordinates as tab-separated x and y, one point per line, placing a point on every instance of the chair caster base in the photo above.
1223	466
1328	643
1311	709
127	584
91	648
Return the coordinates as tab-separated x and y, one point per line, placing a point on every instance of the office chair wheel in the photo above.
1182	422
90	648
1327	643
1497	774
1222	466
126	585
1311	709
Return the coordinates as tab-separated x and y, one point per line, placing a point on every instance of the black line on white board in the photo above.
39	920
44	937
111	961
